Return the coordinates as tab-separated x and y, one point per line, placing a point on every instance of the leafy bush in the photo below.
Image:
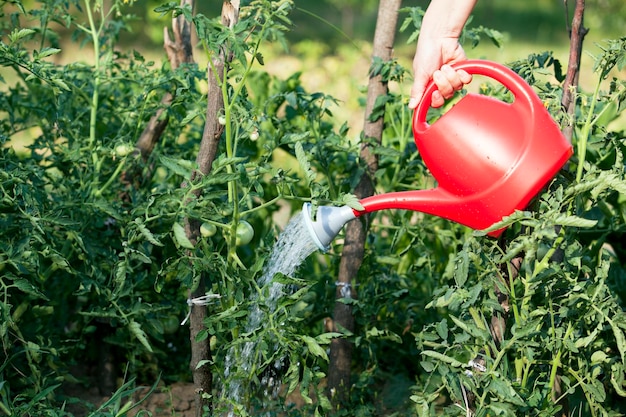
96	266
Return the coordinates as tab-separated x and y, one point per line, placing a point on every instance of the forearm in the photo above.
446	18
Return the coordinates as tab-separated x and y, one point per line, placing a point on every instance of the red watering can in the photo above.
489	158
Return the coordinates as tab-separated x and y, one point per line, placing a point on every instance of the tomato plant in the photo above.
96	264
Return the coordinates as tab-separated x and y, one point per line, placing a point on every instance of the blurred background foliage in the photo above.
332	23
330	42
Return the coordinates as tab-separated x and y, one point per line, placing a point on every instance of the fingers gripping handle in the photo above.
524	95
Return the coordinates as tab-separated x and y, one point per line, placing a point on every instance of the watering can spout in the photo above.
329	220
434	201
327	224
479	211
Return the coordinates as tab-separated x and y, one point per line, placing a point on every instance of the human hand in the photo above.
432	61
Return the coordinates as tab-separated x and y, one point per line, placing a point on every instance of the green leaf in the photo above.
304	163
122	412
307	375
181	236
585	341
191	114
137	331
617	379
314	347
45	52
120	274
504	390
385	334
595	388
16	35
58	261
378	110
428	366
619	340
145	232
202	363
325	338
443	358
352	201
292	377
460	324
461	268
598	357
107	208
442	329
388	260
574	221
180	167
422	407
60	83
26	287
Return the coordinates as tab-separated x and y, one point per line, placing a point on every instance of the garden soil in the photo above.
172	400
176	400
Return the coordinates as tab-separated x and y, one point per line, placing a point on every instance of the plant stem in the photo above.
582	384
516	314
261	206
556	362
502	352
112	178
231	144
543	264
584	133
526	373
95	36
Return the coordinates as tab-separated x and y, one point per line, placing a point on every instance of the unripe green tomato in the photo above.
208	229
245	233
160	174
171	324
123	149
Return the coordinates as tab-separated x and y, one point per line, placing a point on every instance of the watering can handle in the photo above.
524	95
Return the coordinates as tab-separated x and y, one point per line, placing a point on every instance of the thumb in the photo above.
417	89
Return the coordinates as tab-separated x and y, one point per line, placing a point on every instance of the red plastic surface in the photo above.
489	157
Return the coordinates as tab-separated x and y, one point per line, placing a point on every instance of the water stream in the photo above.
293	246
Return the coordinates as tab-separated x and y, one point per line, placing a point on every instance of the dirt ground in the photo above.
175	400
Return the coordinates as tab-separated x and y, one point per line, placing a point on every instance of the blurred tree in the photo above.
351	10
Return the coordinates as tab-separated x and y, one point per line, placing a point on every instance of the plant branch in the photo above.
570	85
95	36
201	350
354	246
179	51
